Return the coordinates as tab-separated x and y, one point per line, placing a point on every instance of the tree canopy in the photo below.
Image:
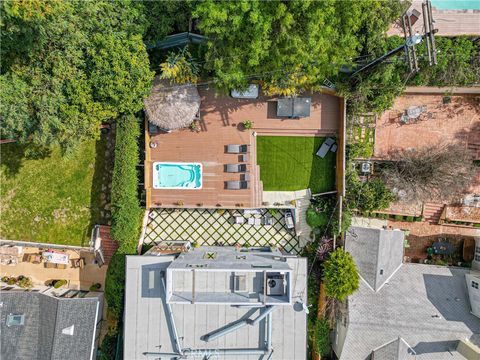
272	41
340	275
80	63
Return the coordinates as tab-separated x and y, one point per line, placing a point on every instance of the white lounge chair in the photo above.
327	144
235	168
237	149
237	185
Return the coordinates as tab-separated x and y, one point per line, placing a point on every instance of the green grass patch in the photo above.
50	198
289	163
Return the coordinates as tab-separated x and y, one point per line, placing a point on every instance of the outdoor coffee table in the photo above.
55	258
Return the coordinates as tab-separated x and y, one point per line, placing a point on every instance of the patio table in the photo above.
442	248
55	258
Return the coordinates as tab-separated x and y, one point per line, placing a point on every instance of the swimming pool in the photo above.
167	175
456	4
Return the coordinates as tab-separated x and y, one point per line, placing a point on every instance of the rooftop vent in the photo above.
69	330
15	319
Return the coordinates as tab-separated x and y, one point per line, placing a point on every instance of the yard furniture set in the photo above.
253	217
9	254
244	182
328	145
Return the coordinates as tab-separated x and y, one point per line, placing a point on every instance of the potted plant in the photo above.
95	287
25	282
59	283
247	124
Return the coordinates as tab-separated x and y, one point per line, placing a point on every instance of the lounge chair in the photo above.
237	185
244	157
237	149
235	168
327	144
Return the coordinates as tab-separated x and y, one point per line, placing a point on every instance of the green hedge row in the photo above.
126	210
391	216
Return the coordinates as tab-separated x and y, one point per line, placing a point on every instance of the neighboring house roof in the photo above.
378	253
397	349
426	305
147	327
53	328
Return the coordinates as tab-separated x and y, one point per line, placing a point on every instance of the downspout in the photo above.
266	311
219	333
171	320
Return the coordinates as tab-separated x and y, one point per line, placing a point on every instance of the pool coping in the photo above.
176	163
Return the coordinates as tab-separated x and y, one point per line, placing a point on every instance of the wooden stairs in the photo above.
432	212
109	246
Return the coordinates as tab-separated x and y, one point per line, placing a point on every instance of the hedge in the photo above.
126	210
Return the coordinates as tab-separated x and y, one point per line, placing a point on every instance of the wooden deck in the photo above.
448	22
221	118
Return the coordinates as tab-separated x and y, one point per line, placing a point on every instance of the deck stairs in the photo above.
432	212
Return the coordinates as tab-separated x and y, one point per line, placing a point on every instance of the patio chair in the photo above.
237	185
236	149
50	265
323	150
245	177
61	266
244	157
235	168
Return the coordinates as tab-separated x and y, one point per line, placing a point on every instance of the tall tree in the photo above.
79	63
340	275
273	40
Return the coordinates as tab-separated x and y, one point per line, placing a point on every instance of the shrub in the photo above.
321	337
273	212
59	283
25	282
11	281
95	287
409	218
248	124
399	217
5	279
340	275
315	219
368	196
126	211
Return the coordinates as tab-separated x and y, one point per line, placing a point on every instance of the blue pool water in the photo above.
456	4
177	175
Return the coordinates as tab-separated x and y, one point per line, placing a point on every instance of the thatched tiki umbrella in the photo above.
172	107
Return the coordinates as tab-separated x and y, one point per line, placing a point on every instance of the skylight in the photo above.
15	319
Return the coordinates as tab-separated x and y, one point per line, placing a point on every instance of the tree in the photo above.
180	68
273	40
340	275
434	173
69	66
367	196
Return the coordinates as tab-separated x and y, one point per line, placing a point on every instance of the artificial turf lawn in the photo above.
50	199
289	163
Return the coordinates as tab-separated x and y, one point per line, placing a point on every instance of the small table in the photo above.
442	248
55	258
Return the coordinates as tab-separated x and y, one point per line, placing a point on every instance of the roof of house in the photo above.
397	349
172	107
426	305
46	321
147	326
378	253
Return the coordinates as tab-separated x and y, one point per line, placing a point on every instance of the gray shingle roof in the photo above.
396	349
45	317
146	328
378	253
426	305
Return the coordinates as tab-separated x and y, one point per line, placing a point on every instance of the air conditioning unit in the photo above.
366	167
276	285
